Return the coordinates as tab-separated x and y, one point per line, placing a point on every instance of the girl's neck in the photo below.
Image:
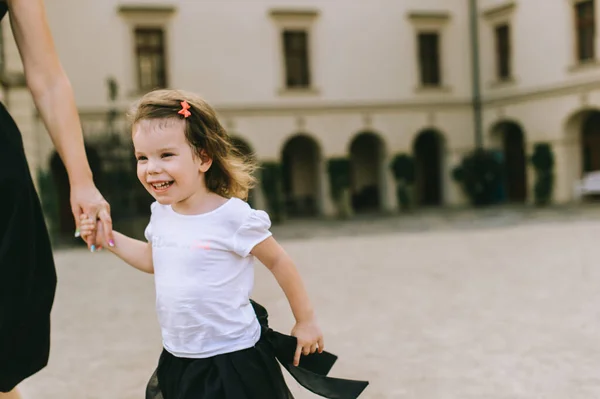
202	201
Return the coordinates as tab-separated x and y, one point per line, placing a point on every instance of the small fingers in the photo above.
306	349
297	355
87	230
77	215
321	344
86	234
106	221
87	227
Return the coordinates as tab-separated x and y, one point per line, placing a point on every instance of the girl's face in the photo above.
166	164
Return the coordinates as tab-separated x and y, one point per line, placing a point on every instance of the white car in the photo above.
588	185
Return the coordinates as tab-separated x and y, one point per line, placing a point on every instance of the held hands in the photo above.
86	201
310	338
89	228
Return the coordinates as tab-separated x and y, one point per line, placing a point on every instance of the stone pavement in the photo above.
495	304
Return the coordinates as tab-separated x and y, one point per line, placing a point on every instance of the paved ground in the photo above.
495	304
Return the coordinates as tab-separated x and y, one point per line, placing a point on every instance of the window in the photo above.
499	18
295	34
295	47
429	58
586	30
429	29
503	52
148	36
150	56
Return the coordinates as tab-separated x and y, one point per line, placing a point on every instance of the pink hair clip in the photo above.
184	109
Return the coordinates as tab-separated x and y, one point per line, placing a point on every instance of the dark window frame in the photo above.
502	34
296	54
585	30
158	78
429	56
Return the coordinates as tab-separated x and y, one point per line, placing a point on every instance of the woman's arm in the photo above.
53	96
49	85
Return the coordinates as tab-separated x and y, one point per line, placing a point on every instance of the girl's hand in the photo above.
89	228
87	201
310	339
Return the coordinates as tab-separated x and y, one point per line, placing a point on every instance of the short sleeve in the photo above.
148	230
253	231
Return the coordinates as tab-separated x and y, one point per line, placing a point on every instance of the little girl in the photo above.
202	240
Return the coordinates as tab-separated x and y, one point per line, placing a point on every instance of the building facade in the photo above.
302	82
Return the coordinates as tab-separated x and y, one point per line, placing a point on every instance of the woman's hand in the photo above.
87	200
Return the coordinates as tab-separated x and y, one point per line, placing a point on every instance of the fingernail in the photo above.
77	233
111	243
93	248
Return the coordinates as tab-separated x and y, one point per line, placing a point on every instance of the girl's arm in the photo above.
274	257
134	252
306	330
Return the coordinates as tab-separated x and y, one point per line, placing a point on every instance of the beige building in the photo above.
302	82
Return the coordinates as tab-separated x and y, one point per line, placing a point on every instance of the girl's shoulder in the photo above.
231	216
156	207
238	209
240	213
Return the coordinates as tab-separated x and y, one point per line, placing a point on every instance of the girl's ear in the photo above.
205	161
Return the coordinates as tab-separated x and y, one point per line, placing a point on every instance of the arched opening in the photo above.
590	143
580	149
512	140
428	154
66	223
366	183
301	178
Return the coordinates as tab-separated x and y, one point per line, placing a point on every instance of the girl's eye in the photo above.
167	154
141	158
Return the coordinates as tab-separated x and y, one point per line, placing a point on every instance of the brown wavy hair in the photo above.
231	173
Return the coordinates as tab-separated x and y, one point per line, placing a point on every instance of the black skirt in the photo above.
27	273
252	373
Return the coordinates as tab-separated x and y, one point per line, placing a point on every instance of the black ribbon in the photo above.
312	371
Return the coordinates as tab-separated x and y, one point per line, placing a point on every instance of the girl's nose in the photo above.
152	167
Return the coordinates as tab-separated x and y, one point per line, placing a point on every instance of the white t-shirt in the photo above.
204	276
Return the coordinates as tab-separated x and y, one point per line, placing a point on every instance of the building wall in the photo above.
229	51
363	63
543	46
549	89
365	72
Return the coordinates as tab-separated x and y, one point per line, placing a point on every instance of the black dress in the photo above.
252	373
27	273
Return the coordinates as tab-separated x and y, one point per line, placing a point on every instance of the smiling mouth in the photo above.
160	186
